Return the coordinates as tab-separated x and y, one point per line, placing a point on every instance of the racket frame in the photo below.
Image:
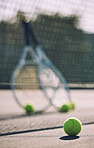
42	60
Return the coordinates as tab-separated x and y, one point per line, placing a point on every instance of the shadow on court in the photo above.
69	137
14	116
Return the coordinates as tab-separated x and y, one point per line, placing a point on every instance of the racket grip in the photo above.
33	34
26	32
29	30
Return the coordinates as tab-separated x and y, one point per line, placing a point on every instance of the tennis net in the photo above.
66	33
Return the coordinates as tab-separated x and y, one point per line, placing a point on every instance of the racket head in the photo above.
25	83
53	84
52	88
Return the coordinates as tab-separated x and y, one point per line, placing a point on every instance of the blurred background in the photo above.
66	33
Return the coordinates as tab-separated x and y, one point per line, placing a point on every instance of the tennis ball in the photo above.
72	126
72	104
29	108
64	108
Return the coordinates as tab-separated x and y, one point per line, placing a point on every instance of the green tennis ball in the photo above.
72	126
64	108
72	105
29	108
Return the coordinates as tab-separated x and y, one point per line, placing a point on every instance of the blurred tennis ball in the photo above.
64	108
72	126
72	105
29	108
67	107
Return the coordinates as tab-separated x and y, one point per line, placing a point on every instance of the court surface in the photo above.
45	130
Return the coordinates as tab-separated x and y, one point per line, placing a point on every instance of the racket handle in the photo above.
29	30
26	32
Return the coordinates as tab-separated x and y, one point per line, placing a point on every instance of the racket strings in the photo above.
26	78
53	88
48	78
27	88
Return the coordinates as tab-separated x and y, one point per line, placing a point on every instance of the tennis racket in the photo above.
25	81
52	82
38	71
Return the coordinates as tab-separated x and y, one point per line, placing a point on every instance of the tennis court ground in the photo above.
46	130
